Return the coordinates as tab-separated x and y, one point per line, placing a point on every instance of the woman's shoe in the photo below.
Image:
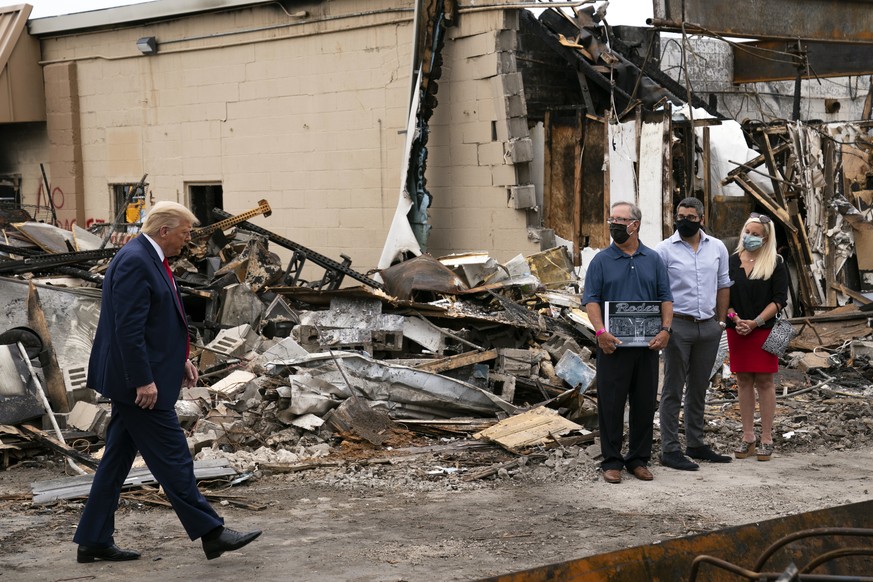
744	450
765	452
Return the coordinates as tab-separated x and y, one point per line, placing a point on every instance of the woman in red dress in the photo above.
759	292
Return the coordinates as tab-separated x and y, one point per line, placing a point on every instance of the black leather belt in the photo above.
694	319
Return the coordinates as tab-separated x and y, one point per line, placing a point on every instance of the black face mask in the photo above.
687	228
619	233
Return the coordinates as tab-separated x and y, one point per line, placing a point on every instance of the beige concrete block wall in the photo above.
311	117
63	157
469	173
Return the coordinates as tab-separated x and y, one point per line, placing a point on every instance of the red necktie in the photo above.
179	303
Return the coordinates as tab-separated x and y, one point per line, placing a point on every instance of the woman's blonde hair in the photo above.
765	263
166	213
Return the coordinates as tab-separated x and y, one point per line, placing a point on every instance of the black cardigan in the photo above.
749	297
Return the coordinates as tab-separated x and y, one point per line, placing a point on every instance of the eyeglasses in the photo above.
615	220
762	218
689	218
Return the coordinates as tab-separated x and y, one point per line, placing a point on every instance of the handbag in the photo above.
780	336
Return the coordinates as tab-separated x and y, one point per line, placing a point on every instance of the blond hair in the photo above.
169	214
765	262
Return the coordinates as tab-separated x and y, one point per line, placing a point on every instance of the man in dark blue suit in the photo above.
140	361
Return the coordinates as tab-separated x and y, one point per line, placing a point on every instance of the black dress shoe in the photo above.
705	453
676	460
227	541
113	553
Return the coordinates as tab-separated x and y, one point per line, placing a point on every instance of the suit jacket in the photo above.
142	332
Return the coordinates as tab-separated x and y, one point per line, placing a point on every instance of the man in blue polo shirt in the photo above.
698	267
627	270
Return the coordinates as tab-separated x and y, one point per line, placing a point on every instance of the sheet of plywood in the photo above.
529	428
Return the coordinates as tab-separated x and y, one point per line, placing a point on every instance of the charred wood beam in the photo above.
44	438
552	22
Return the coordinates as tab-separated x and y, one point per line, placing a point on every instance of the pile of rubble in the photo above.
444	373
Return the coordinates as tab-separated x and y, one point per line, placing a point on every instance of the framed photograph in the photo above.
635	323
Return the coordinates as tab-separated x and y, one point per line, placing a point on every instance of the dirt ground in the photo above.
414	519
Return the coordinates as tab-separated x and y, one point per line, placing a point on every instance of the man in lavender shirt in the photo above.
698	268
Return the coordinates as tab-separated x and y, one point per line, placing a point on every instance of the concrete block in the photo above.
75	377
189	412
520	150
347	339
557	345
861	348
229	343
503	385
518	128
492	153
507	40
233	384
387	340
479	44
521	197
503	176
200	440
812	361
477	132
515	361
86	417
307	336
516	106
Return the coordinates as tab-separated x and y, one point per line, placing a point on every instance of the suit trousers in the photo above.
628	375
157	435
688	361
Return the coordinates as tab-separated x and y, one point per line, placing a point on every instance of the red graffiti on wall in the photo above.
44	206
57	199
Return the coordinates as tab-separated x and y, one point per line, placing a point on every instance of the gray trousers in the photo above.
688	361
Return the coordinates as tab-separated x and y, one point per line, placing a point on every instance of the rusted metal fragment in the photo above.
422	273
741	545
845	21
754	62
